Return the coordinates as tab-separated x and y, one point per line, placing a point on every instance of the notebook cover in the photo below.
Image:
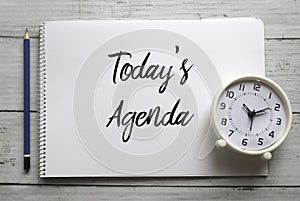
132	98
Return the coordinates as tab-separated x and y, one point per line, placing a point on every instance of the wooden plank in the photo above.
281	17
282	65
11	74
74	193
284	167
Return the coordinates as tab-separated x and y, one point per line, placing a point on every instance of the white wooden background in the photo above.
282	41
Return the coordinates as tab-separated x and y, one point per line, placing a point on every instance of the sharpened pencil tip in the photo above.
26	34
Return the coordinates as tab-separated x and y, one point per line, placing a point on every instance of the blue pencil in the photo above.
26	101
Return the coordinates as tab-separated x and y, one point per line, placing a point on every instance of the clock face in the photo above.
250	114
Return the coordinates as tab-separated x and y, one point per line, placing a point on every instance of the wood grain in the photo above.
283	66
284	167
282	32
11	74
281	17
74	193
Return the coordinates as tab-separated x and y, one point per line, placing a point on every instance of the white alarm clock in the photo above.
251	115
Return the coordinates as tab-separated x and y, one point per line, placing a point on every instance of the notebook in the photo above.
132	98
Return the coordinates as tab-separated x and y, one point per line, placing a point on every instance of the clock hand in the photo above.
246	108
262	111
251	115
251	122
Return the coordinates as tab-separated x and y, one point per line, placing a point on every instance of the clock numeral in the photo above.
256	87
222	106
231	132
270	95
245	142
229	94
278	121
260	141
271	134
242	87
277	106
224	121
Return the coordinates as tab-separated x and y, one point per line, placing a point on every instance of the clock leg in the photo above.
266	156
221	143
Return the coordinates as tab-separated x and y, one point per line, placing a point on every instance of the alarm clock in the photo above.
251	115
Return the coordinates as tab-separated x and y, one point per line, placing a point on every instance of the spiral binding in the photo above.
42	100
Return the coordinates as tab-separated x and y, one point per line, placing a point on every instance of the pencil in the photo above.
26	101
